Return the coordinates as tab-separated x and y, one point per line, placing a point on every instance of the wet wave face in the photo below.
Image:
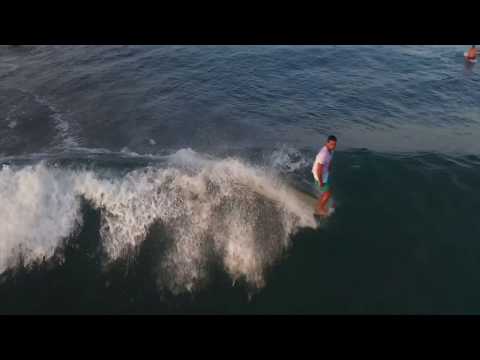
211	210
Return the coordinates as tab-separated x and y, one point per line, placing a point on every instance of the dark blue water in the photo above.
166	179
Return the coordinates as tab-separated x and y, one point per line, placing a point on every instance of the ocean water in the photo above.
165	180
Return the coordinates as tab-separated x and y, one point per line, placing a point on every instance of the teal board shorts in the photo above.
325	187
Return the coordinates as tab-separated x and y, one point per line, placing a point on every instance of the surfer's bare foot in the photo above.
322	212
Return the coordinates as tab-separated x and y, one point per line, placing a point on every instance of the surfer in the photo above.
321	170
472	53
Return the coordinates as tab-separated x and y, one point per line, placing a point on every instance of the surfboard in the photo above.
304	197
472	61
310	201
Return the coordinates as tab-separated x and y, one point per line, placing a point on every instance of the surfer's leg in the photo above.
318	206
323	202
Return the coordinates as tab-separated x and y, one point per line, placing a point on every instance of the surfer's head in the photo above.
473	46
331	142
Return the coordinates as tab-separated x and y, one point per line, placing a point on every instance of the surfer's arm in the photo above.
320	173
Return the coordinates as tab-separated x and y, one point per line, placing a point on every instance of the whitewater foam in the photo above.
38	210
12	124
288	159
62	126
224	210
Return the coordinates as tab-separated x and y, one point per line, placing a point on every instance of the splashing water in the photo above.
223	210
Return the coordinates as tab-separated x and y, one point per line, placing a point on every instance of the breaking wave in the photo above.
223	210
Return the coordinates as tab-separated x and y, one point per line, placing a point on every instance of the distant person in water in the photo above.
321	171
472	53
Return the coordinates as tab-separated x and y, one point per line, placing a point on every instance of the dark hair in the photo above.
332	138
473	46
